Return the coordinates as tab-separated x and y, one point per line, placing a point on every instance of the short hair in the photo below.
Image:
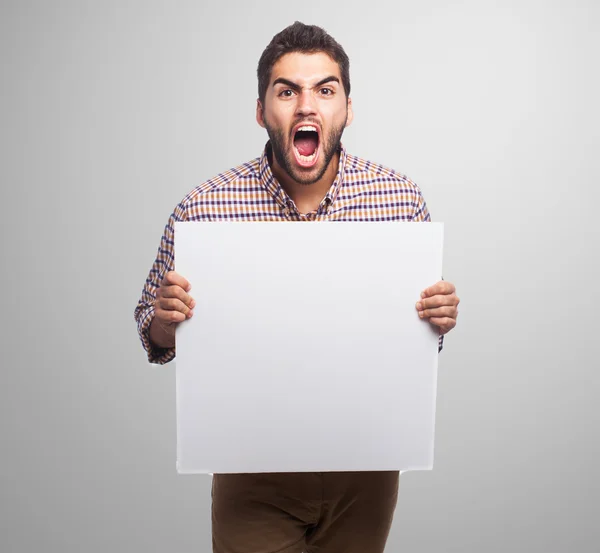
307	39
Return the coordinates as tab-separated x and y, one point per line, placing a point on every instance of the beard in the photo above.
285	158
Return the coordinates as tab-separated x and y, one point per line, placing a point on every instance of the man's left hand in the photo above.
439	304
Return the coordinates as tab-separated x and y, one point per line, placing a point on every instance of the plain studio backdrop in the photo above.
112	111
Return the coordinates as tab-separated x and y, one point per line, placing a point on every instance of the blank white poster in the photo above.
305	351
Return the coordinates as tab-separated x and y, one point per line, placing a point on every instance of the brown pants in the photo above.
323	512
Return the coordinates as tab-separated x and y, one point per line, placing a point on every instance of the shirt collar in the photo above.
272	185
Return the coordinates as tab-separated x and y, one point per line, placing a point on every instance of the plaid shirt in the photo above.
361	191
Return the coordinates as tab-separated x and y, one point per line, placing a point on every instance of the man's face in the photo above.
305	113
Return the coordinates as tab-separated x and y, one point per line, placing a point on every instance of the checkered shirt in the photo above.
361	191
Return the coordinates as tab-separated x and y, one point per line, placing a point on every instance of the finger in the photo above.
169	316
442	287
436	301
175	291
446	311
444	323
175	304
174	278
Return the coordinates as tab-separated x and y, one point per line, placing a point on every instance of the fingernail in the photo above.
419	306
421	313
422	294
190	314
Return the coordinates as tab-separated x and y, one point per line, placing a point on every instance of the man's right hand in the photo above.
173	306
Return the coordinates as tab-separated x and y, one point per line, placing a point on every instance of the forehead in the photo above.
305	68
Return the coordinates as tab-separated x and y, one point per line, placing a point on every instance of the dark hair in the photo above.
308	39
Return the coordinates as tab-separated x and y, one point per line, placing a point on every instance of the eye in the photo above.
327	91
286	93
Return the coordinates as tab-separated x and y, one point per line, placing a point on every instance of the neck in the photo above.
307	197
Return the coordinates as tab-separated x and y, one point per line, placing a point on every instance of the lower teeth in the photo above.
307	158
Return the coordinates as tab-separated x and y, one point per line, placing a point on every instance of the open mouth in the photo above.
306	145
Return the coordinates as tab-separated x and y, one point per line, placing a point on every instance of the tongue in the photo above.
306	145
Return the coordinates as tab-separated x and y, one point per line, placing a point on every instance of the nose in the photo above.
306	103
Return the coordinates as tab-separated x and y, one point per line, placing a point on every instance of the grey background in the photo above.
112	111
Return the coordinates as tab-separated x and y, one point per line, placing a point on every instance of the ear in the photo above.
260	116
350	113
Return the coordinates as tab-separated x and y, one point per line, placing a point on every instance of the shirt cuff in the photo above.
156	355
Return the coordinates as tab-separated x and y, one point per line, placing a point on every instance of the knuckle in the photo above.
179	293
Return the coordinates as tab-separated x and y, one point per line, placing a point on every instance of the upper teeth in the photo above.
308	128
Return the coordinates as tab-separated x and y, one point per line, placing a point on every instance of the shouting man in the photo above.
303	174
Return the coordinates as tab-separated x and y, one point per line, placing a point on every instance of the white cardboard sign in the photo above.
306	352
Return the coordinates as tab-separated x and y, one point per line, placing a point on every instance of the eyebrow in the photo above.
297	87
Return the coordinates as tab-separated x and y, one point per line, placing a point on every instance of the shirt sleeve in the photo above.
420	215
144	311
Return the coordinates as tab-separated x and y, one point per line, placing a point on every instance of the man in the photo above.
304	174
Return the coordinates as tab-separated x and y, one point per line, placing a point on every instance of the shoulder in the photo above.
236	176
229	183
372	186
365	172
